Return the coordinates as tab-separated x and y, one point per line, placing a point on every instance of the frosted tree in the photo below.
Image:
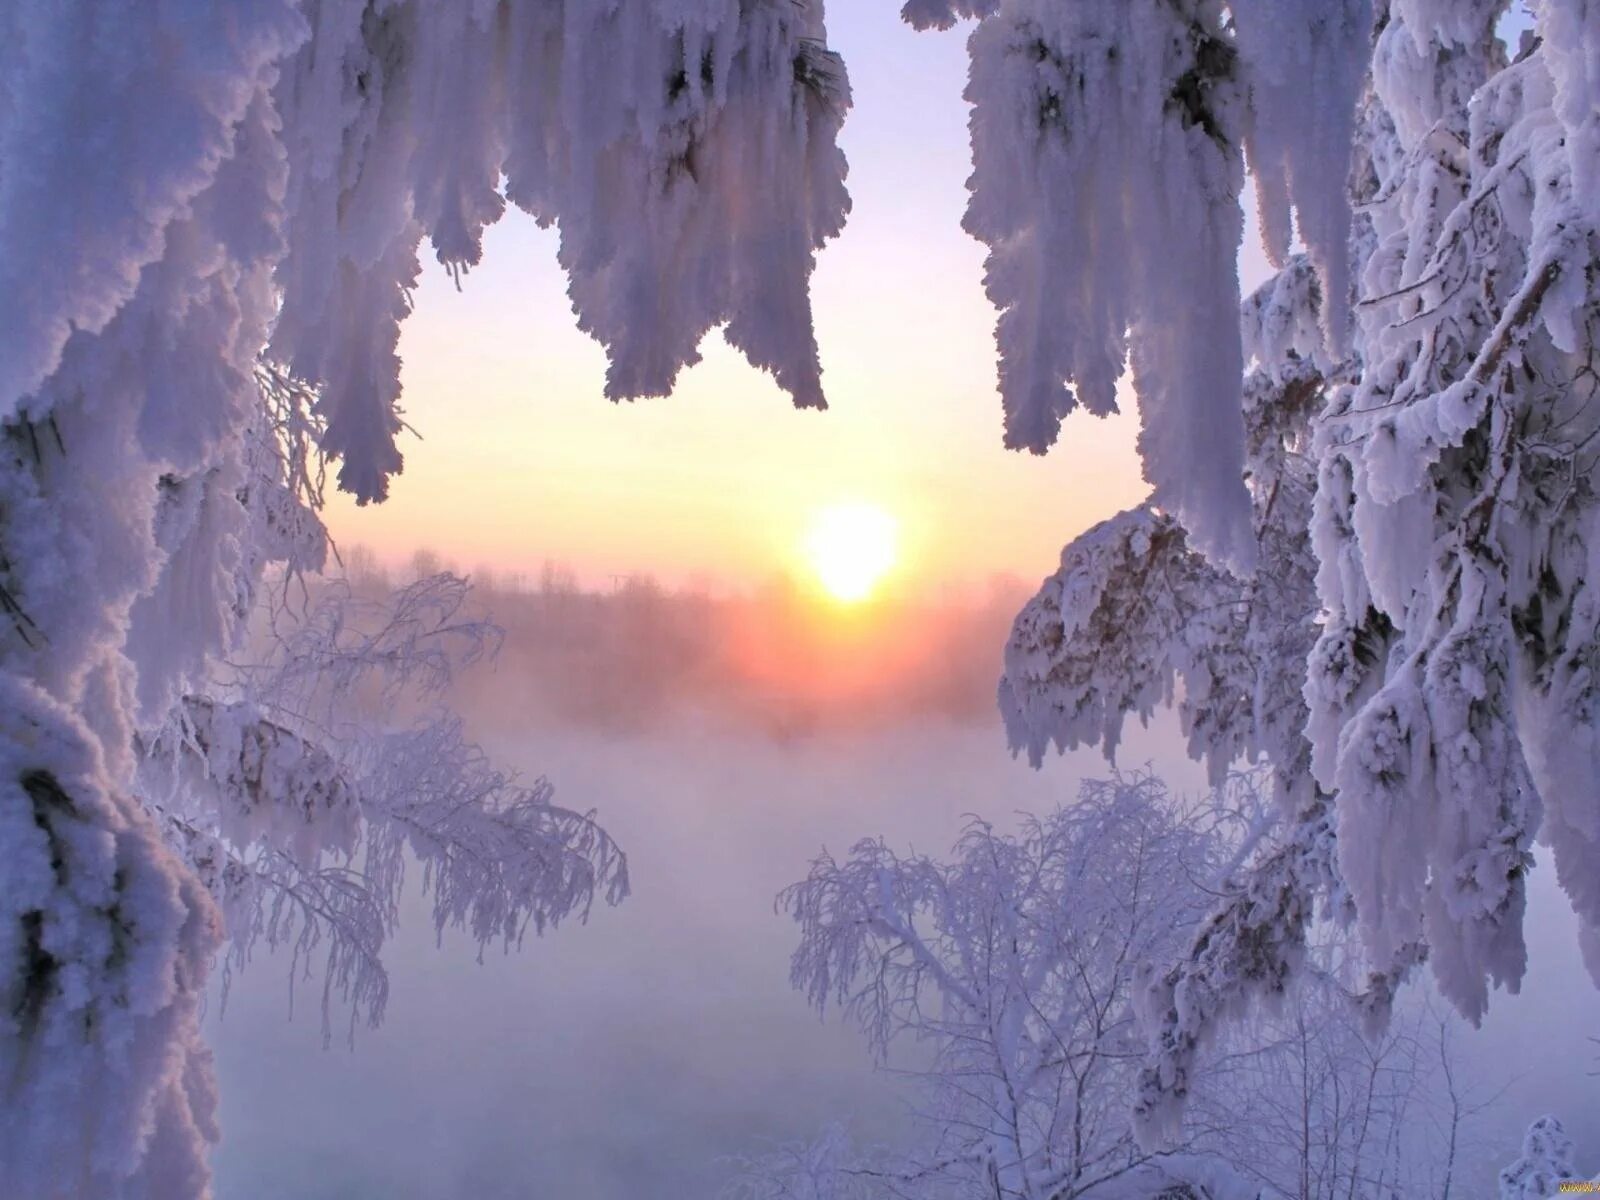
1136	618
1019	967
1393	604
1312	1105
185	188
1014	963
1545	1165
302	786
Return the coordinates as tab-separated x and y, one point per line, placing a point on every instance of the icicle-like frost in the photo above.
1307	63
686	151
1106	142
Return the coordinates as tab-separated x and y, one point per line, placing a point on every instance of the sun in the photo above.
851	548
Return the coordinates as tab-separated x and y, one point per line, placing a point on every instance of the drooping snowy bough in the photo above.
1416	649
184	188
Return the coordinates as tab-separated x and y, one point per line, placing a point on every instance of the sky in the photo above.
522	460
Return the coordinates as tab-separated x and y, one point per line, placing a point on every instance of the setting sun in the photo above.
851	548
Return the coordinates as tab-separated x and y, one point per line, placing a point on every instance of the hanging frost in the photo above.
1307	61
1108	142
1442	493
1107	166
685	152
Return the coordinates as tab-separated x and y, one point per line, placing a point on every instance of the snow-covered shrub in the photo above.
1014	963
1011	979
1545	1165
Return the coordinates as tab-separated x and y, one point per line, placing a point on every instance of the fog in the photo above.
723	741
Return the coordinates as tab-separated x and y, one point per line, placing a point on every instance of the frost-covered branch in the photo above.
1414	651
302	807
1015	961
1019	965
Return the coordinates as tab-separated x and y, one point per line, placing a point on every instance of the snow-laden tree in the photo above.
1014	963
186	186
1314	1106
306	782
1546	1164
1009	980
1367	554
1136	618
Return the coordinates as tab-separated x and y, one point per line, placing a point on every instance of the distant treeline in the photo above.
637	654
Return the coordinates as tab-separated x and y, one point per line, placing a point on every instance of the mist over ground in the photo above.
781	660
723	740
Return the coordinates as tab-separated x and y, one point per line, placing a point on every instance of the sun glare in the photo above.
851	548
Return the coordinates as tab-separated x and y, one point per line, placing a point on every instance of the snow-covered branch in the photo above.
302	809
1414	653
1015	961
